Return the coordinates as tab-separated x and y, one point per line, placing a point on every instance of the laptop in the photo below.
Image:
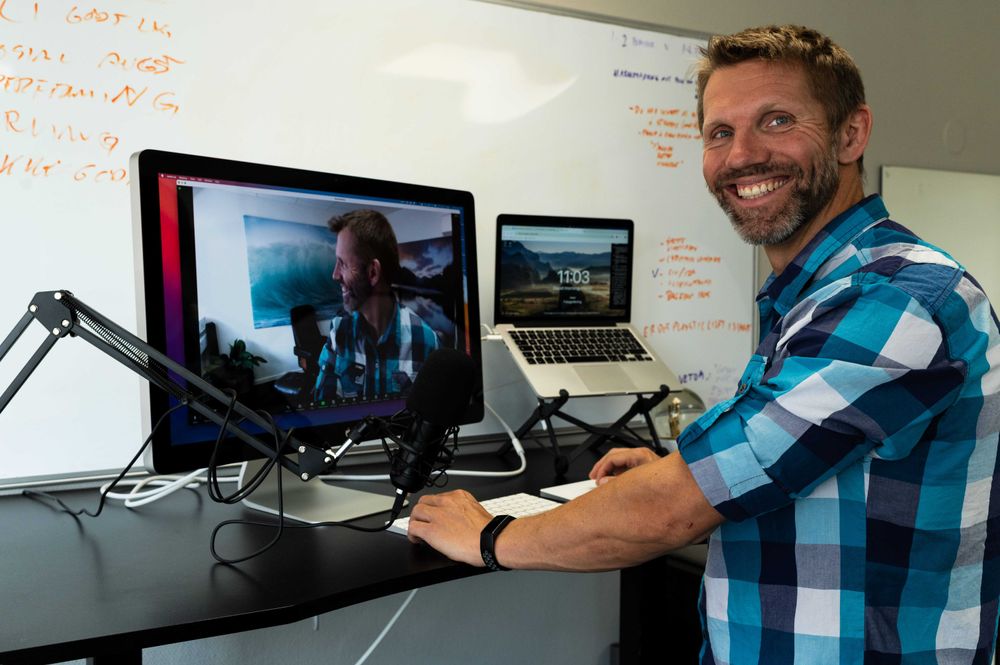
562	305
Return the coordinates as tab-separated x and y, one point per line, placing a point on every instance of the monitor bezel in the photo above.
162	455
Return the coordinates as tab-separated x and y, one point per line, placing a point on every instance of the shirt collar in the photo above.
785	290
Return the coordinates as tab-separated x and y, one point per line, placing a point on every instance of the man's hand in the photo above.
620	460
450	523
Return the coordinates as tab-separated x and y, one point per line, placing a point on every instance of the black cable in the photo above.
45	496
215	489
280	442
393	429
246	490
250	486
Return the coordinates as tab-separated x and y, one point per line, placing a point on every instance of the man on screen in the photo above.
376	345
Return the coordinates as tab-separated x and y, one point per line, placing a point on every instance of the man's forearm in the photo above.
651	510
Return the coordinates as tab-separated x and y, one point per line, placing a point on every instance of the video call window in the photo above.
261	276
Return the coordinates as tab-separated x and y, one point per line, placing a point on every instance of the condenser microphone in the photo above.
437	402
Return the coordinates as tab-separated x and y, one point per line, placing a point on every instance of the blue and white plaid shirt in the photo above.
353	364
856	465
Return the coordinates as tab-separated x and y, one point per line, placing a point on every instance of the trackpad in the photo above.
610	379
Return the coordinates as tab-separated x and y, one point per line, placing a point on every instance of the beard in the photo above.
809	196
354	293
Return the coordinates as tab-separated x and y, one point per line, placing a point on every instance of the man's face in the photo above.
769	157
351	272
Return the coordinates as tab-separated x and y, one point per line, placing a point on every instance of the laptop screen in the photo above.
563	270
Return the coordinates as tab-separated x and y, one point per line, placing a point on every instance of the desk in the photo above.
111	586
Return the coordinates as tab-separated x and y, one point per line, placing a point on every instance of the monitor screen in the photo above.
315	297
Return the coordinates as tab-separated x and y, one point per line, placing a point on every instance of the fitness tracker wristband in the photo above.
488	539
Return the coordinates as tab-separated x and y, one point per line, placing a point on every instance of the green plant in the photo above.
240	357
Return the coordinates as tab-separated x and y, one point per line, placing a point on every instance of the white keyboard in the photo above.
518	505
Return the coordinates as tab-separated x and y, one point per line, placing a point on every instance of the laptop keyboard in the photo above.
578	345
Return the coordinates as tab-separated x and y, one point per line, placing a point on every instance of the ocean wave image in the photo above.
289	264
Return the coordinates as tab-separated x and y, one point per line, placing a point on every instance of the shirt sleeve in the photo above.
854	369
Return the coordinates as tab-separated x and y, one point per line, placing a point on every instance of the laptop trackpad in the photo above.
605	378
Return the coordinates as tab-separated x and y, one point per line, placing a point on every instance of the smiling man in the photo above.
376	345
847	489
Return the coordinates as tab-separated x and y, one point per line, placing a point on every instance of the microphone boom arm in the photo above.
62	314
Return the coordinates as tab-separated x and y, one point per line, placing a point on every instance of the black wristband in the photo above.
488	540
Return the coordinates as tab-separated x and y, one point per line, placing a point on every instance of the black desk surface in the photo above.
78	587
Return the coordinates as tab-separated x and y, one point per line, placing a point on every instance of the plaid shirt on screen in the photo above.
857	462
353	364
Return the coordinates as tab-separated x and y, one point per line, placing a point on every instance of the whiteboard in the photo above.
534	113
960	212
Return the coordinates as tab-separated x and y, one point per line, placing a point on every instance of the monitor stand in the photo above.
312	501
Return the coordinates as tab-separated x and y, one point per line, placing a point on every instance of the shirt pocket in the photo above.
752	375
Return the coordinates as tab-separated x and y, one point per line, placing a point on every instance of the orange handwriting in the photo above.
94	15
94	174
3	12
664	126
76	16
127	94
30	53
15	123
147	65
696	325
683	296
37	167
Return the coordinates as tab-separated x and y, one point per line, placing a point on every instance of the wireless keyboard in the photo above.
518	505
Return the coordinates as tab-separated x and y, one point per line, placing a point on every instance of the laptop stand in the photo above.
618	432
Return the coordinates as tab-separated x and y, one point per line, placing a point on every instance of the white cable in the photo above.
518	448
461	473
164	486
163	483
388	626
491	334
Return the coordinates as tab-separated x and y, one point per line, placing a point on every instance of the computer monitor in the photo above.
236	281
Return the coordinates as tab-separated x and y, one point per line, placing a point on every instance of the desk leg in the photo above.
659	614
128	657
